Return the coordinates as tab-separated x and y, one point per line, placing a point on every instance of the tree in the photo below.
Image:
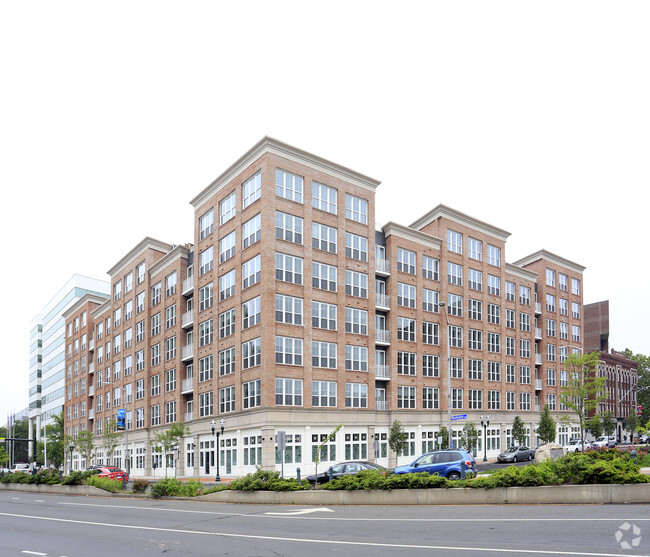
643	384
632	422
518	430
584	390
609	425
444	434
323	448
84	443
595	426
469	437
397	438
55	441
111	438
165	440
546	429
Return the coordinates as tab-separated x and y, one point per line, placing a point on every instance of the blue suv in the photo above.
444	463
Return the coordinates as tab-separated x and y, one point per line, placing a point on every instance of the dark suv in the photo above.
444	463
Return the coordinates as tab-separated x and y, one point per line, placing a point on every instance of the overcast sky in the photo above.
533	117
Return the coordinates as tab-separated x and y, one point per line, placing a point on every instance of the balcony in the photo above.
187	353
187	321
91	414
188	286
91	368
382	372
91	390
538	384
382	336
189	416
91	344
381	404
538	308
382	301
538	333
538	359
187	386
382	267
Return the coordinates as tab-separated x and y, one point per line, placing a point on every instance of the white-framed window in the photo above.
563	282
323	197
140	273
406	397
454	273
430	365
475	279
288	268
550	303
494	255
324	237
456	367
511	318
430	333
128	283
511	291
251	189
289	185
430	268
324	354
406	363
430	398
227	208
227	247
551	377
227	361
170	348
356	358
475	309
226	323
170	316
454	241
356	208
206	401
155	415
524	321
356	284
457	399
206	331
288	227
288	309
510	400
251	312
550	277
524	375
288	351
206	224
405	328
251	231
475	369
206	294
156	295
475	339
227	399
171	282
170	380
455	336
324	315
251	397
494	314
524	348
251	271
524	295
356	395
206	260
170	414
510	373
524	401
494	342
475	399
227	285
474	248
251	353
494	371
155	384
356	321
155	354
551	401
323	394
288	392
494	400
406	261
406	296
430	299
494	285
455	305
356	247
324	276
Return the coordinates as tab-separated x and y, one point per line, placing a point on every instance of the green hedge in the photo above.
267	481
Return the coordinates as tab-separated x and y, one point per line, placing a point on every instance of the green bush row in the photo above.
171	487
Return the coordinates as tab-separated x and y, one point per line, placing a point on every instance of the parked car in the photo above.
345	469
446	463
113	473
516	454
575	446
643	438
604	442
22	467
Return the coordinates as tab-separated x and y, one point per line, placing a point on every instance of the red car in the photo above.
113	473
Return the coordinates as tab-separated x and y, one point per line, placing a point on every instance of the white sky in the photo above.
532	116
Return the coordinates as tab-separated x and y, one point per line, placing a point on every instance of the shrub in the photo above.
214	489
77	477
46	476
140	486
266	480
107	484
167	487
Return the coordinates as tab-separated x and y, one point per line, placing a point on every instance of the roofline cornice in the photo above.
270	145
461	218
178	252
147	243
551	257
86	298
401	231
521	272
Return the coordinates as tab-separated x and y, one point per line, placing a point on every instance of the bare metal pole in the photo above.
443	305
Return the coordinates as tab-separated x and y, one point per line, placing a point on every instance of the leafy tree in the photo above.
397	438
4	456
546	429
55	441
584	390
469	437
643	390
518	430
632	422
165	440
609	425
111	438
444	433
595	426
85	445
323	447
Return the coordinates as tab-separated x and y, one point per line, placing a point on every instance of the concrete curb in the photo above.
546	495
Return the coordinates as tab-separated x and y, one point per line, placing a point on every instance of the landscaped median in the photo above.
592	478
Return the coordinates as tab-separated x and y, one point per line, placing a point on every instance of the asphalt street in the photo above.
69	526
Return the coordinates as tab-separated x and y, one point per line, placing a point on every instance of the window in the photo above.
510	318
430	268
405	328
475	279
288	185
356	395
155	385
170	316
252	231
323	237
494	400
494	343
139	360
454	274
475	339
494	371
430	300
475	309
494	314
356	321
251	272
227	399
155	414
139	417
206	296
139	389
251	312
356	208
524	348
288	268
405	295
550	277
575	310
170	348
356	247
323	197
430	365
251	353
405	397
170	413
356	358
288	309
475	249
406	363
226	323
563	282
494	285
251	189
475	369
227	208
551	375
251	394
510	373
205	332
494	255
117	319
288	392
323	276
510	291
206	401
128	310
430	333
155	354
457	399
288	351
206	224
455	336
524	375
117	294
171	282
524	295
170	380
227	285
140	273
323	354
455	305
510	400
206	260
406	261
524	401
356	284
323	316
524	321
430	398
227	361
550	302
454	241
227	247
288	227
323	394
128	282
475	399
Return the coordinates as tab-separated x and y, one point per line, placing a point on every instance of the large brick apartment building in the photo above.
293	311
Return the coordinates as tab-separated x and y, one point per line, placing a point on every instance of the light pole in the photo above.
71	447
215	431
485	422
446	357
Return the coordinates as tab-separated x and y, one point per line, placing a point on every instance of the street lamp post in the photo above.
215	431
443	305
485	422
71	447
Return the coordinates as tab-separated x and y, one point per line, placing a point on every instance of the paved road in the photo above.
68	526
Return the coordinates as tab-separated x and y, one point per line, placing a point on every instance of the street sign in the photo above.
459	417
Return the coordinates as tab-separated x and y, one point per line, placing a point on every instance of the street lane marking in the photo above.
33	552
311	540
301	511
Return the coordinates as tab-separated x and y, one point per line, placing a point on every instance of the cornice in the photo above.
521	273
178	252
81	302
394	229
147	243
552	258
461	218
